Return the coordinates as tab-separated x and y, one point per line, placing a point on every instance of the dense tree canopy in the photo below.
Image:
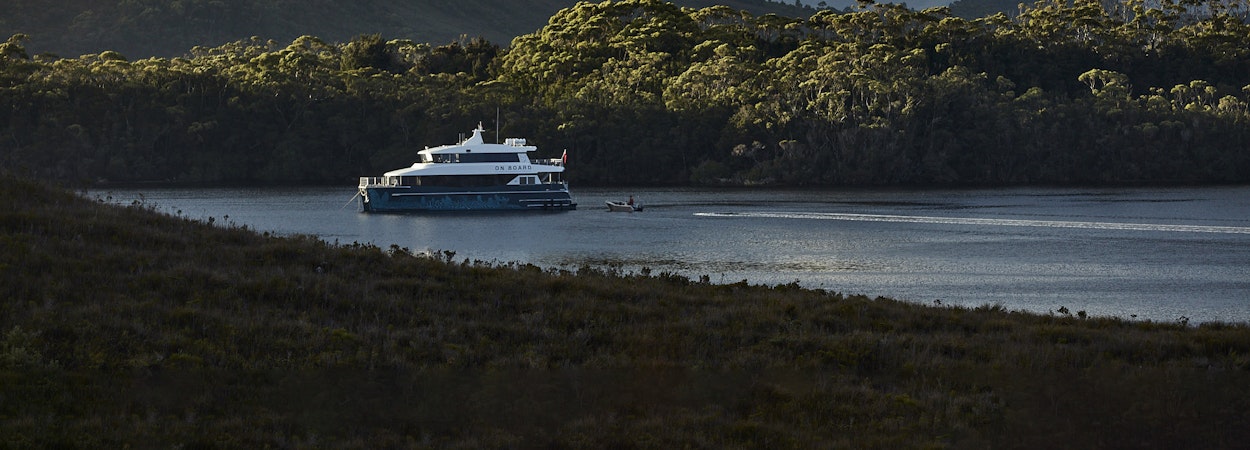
1080	92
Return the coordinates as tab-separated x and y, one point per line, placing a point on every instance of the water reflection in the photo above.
990	222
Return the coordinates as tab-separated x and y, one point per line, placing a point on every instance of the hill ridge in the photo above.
145	28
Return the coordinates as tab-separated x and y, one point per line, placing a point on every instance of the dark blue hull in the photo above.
494	198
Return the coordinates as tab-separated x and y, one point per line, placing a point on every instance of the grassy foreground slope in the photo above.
123	327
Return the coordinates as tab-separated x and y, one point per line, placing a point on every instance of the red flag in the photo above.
564	158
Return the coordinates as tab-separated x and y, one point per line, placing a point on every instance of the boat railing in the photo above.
549	162
372	181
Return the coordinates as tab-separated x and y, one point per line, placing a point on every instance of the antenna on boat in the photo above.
496	124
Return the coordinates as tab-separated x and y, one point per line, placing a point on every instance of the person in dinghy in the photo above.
627	206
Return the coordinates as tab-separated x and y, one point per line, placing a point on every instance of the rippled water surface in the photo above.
1161	254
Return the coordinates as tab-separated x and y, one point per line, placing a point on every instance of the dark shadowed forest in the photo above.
1063	93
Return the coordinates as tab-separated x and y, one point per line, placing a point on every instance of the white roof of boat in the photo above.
475	144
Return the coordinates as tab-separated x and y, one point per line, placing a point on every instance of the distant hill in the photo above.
843	4
968	9
971	9
143	28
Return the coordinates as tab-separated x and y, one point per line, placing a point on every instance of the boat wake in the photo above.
989	222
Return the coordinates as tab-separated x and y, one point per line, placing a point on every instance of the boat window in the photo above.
465	180
489	157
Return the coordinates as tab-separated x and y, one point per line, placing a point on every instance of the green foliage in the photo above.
122	327
368	53
1082	92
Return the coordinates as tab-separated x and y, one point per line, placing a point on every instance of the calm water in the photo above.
1159	254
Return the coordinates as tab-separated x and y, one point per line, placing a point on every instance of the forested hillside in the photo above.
165	28
642	91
